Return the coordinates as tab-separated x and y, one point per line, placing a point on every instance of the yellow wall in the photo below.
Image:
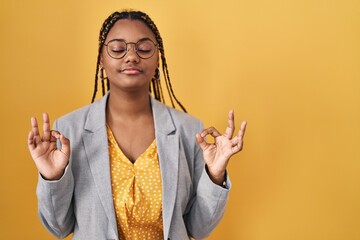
291	68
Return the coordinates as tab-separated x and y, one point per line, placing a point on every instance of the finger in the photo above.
242	130
238	140
231	125
201	141
237	147
46	128
65	145
30	141
210	131
54	135
35	130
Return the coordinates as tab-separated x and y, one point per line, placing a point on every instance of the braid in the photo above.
96	78
161	91
155	89
156	32
107	25
156	84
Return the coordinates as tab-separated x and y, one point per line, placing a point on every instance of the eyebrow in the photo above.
121	39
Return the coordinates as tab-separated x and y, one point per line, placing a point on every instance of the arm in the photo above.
56	182
55	204
211	197
208	203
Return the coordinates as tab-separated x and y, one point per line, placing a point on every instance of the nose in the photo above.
131	55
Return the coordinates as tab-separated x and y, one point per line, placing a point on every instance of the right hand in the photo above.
50	161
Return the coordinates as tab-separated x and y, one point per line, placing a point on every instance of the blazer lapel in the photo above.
96	147
167	141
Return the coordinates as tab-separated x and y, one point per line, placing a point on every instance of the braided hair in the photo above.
155	85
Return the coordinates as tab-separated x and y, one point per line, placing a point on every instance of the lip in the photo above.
131	70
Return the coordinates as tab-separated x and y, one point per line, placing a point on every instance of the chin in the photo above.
131	87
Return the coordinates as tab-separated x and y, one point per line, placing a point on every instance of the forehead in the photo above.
130	31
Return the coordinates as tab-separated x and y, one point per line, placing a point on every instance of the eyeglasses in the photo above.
118	48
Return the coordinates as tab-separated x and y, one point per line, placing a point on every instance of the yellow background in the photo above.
290	68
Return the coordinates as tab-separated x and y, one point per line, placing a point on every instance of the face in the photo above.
130	73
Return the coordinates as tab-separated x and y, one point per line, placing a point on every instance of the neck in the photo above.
127	106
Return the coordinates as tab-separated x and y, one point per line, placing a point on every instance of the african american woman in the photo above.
127	166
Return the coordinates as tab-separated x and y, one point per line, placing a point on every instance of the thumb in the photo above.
65	145
201	141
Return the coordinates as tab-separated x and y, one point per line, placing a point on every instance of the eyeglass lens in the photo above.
118	48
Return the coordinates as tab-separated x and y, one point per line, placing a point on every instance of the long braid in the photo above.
155	30
160	92
168	82
108	84
155	88
156	84
107	25
102	81
96	79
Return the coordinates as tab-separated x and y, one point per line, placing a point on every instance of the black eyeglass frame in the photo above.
126	47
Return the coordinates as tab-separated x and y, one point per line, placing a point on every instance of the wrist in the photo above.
53	176
217	178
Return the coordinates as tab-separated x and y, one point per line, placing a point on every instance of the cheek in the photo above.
109	64
154	65
155	62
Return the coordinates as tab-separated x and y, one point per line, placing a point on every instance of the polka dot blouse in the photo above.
137	192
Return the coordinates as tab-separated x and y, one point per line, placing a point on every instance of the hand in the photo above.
49	160
217	154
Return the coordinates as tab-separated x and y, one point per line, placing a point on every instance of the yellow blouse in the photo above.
137	192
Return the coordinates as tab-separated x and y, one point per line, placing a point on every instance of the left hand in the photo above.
218	154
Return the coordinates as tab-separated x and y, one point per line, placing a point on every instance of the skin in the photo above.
129	114
218	154
49	160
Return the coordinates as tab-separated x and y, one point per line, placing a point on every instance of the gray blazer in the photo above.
81	201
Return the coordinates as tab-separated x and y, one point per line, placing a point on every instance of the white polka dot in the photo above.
136	192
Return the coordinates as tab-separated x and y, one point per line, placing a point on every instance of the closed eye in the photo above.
144	50
118	50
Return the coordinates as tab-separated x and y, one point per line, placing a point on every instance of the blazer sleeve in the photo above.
208	202
55	203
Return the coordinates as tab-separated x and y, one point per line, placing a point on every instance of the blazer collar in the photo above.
96	118
168	145
164	123
96	147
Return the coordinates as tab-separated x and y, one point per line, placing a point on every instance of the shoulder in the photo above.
183	118
183	122
71	124
90	114
187	125
75	116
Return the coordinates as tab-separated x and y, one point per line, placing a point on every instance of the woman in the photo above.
127	166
